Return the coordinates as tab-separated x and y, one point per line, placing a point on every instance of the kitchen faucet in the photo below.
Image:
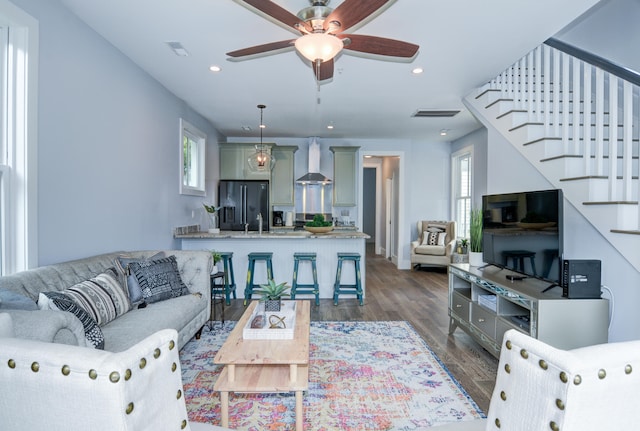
259	218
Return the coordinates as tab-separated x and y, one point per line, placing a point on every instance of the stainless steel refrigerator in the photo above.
242	202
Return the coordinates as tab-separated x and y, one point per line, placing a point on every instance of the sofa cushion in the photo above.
159	279
102	296
60	301
174	313
10	300
433	250
131	282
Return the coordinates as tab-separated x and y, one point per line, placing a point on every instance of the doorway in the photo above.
387	211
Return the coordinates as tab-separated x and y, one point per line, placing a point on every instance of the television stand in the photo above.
484	305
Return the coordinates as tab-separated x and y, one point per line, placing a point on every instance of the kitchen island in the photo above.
283	243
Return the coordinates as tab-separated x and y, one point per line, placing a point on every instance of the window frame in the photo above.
193	134
462	230
19	140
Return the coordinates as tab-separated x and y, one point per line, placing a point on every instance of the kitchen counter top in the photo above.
281	234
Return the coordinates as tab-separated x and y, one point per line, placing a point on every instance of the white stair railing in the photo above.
581	104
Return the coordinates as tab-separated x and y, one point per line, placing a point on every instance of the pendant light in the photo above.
261	160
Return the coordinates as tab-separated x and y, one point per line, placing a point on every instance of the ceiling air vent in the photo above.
435	113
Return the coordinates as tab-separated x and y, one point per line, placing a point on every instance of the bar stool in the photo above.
338	287
216	296
311	289
253	257
518	257
229	277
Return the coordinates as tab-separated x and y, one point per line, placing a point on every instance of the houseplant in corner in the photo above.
272	293
475	243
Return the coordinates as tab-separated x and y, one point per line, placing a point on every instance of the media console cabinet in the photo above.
485	304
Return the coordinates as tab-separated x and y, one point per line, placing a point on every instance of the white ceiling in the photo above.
463	43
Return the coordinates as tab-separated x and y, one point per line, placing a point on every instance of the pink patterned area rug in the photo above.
362	376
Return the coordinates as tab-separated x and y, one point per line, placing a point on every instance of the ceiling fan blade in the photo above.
324	71
277	13
351	12
379	45
260	49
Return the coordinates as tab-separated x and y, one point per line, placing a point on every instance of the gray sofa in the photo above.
186	314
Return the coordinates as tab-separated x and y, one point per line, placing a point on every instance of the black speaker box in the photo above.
581	279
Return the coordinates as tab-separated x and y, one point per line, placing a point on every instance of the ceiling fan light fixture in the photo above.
318	46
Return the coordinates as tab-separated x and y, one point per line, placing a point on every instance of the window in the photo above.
18	139
192	160
461	181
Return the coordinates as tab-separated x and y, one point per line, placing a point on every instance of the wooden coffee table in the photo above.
265	366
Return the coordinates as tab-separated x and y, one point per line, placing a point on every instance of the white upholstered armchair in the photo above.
539	387
435	243
56	387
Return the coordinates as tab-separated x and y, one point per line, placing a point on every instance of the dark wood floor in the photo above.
419	297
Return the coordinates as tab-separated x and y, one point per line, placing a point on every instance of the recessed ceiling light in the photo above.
215	68
443	132
417	70
246	128
330	126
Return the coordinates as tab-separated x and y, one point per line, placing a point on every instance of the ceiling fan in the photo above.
321	29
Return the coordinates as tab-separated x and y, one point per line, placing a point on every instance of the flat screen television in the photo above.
523	232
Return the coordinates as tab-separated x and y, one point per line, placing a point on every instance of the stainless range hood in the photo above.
314	176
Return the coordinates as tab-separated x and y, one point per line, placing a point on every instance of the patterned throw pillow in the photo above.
159	279
59	301
103	297
131	282
436	237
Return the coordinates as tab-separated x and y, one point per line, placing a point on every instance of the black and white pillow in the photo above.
159	279
59	301
102	296
131	282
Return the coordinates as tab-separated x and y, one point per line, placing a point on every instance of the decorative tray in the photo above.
279	325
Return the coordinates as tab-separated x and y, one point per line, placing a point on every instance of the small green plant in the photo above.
273	291
217	257
464	242
475	230
211	209
318	221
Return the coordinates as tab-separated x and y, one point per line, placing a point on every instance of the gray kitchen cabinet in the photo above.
344	176
282	175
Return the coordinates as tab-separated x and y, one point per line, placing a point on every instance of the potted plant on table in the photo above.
475	229
272	293
217	257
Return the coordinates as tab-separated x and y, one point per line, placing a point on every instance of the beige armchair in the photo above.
56	387
539	387
430	248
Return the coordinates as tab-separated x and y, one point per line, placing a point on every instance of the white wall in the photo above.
108	146
610	30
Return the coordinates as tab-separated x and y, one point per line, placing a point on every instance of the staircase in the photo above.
563	113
